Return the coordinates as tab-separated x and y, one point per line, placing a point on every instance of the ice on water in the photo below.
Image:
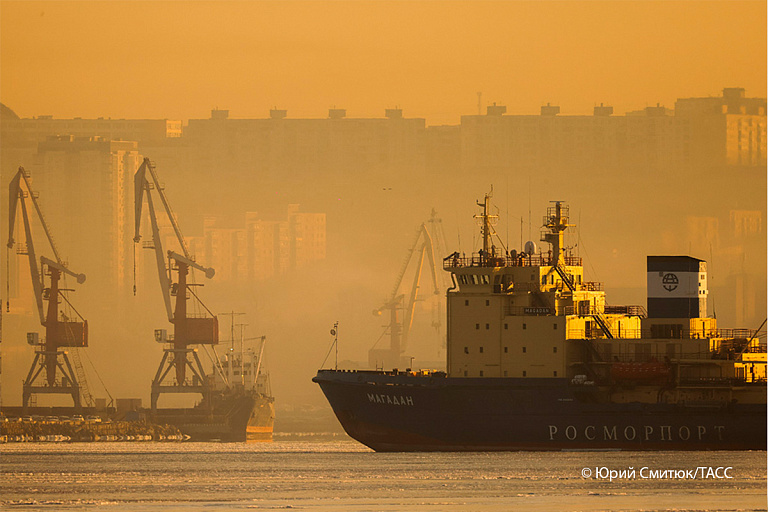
346	476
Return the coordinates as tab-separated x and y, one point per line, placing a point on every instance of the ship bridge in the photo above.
511	313
493	271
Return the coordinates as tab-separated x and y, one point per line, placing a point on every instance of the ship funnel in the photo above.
677	287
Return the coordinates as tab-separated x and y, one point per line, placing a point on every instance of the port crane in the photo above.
399	306
189	328
51	372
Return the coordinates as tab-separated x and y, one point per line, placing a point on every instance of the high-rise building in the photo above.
728	130
250	249
39	128
86	193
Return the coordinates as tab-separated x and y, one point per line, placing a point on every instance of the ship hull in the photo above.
232	418
389	412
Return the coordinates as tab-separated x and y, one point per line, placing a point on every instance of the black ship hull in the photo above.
228	417
406	412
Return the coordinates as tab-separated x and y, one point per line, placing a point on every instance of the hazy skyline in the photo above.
180	59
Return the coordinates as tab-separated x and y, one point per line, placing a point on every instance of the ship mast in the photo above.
557	222
486	229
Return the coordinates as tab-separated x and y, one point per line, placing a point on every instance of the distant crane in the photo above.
421	249
63	327
188	330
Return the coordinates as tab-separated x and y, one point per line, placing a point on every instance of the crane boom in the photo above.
14	194
37	282
157	243
142	186
16	198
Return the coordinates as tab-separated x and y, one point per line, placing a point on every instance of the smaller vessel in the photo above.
239	405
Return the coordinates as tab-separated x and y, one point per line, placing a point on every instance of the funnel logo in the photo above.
670	282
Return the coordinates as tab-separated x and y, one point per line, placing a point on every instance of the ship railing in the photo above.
408	372
590	310
736	333
632	357
755	348
597	333
607	355
476	260
682	334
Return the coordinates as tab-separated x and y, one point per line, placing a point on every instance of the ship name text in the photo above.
383	398
636	433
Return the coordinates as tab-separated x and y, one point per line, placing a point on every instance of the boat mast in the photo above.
486	229
557	222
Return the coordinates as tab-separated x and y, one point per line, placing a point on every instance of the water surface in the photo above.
346	476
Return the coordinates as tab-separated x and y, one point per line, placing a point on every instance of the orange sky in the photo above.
180	59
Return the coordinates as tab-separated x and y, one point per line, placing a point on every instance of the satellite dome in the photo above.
530	247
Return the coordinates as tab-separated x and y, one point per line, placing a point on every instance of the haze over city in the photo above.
641	189
178	60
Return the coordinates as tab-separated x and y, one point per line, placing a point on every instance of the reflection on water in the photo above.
344	475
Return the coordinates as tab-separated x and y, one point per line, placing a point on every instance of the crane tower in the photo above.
180	359
51	372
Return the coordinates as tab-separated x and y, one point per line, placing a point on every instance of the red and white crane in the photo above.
51	371
189	329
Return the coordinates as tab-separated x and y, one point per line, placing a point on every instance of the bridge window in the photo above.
524	326
466	303
481	350
555	373
506	326
481	373
506	350
554	350
554	326
524	350
487	326
466	350
523	373
487	302
477	326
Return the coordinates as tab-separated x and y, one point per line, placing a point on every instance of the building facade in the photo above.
249	248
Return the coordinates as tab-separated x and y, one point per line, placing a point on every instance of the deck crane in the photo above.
189	329
421	248
64	327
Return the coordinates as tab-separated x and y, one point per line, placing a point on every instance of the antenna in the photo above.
709	276
335	333
507	237
529	207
